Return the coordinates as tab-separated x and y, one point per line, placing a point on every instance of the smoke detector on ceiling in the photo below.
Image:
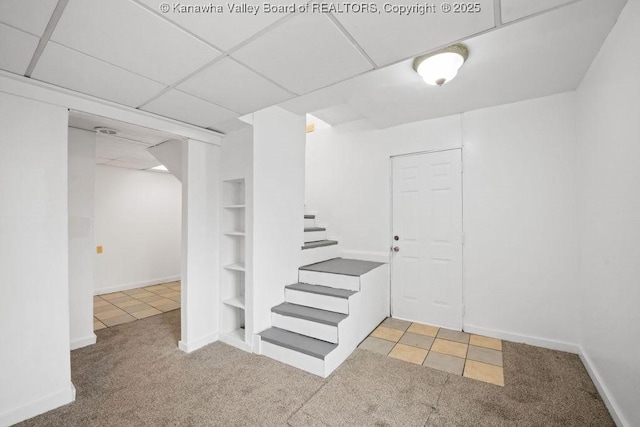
105	131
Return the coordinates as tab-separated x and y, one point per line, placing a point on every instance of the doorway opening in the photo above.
125	214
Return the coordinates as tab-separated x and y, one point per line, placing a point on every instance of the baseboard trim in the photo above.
607	398
129	286
525	339
83	342
366	255
39	406
194	345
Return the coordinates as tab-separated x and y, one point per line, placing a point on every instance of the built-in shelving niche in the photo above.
234	272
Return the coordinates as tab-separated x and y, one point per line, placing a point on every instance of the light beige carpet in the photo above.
136	376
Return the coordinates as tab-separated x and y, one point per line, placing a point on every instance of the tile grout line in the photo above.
429	350
149	306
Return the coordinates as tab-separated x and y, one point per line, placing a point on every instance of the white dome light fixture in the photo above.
441	66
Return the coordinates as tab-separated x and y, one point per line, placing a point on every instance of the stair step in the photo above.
345	267
319	244
321	290
309	217
309	229
300	343
307	313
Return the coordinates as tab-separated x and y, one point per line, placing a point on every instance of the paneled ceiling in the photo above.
209	68
127	148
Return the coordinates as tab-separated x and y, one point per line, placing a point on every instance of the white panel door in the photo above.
426	281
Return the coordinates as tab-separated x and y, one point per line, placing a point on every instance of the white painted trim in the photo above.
525	339
50	94
234	342
293	358
39	406
606	395
332	280
194	345
366	255
129	286
83	342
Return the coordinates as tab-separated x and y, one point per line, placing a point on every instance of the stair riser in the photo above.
293	358
339	281
312	256
323	302
305	327
309	222
314	236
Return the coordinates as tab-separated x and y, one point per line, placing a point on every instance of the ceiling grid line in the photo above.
109	63
223	55
176	25
497	13
351	39
51	26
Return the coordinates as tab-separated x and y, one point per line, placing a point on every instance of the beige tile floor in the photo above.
459	353
126	306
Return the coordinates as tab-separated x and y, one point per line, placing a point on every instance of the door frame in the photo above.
461	148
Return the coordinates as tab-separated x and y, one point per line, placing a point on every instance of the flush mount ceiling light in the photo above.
438	67
105	131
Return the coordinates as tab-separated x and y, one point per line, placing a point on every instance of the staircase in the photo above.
335	304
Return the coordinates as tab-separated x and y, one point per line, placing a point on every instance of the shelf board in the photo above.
237	302
234	207
235	233
236	267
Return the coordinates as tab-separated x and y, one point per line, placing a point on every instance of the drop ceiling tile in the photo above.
226	29
391	37
303	54
73	70
108	147
516	9
128	35
230	126
235	87
17	48
149	159
181	106
31	16
132	165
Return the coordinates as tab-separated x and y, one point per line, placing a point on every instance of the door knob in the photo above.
396	249
396	238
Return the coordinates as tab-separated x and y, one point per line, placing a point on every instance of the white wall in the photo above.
520	209
137	222
200	244
278	206
82	164
35	374
609	142
520	254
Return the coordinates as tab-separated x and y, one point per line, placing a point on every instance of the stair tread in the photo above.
300	343
306	229
319	244
343	266
322	290
309	216
308	313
